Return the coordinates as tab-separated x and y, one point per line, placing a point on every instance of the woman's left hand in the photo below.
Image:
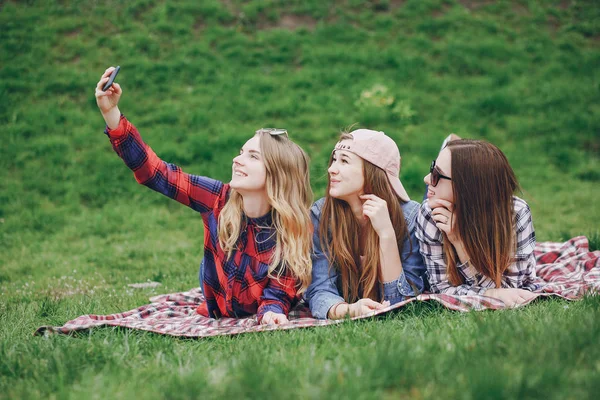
272	318
376	210
442	212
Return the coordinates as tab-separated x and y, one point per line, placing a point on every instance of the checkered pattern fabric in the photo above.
520	274
238	286
569	269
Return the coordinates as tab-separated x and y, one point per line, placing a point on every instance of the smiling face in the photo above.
346	179
443	190
249	173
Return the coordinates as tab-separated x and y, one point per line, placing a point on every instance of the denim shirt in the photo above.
323	292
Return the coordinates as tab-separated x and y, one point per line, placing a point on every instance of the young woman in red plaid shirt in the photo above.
257	228
475	236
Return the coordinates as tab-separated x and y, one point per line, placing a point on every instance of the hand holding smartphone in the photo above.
111	79
108	92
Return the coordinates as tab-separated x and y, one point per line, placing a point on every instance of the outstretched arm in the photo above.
431	246
430	239
198	192
377	211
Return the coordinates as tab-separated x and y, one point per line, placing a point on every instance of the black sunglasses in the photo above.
435	175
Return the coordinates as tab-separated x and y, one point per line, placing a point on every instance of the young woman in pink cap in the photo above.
475	236
365	253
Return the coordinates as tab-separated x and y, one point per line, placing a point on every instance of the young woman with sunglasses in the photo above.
257	229
365	253
475	236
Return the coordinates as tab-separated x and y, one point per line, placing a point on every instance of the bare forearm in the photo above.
338	311
361	307
112	117
391	265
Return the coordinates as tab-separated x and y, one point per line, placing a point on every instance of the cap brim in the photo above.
398	188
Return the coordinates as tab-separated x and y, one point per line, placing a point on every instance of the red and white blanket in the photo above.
569	269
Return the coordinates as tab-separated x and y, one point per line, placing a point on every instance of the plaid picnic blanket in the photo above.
569	269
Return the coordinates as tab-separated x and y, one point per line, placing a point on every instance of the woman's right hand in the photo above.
365	306
442	213
511	297
272	318
107	100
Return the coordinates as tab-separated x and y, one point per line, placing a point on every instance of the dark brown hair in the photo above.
483	183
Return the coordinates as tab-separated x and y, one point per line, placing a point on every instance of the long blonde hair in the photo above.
339	236
483	183
290	197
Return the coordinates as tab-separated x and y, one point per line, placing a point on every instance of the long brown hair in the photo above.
339	235
290	197
483	183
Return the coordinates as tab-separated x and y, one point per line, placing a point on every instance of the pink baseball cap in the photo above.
380	150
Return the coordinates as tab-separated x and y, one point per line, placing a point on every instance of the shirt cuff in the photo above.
468	271
398	289
477	290
119	131
265	308
319	307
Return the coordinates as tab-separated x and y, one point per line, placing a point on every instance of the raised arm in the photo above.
108	101
376	210
431	247
198	192
322	294
411	283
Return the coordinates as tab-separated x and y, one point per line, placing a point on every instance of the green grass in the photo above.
198	79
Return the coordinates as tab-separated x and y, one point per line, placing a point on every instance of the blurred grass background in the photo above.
198	78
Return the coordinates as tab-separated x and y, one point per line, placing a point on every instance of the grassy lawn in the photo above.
198	78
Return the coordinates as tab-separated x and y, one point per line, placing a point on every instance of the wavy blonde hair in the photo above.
290	197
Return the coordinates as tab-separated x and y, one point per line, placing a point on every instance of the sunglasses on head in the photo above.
435	175
272	131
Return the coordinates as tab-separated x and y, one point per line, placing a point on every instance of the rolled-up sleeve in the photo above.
397	290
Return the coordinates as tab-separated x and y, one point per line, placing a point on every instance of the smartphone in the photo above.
111	79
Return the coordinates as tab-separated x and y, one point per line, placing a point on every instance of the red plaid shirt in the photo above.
235	287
